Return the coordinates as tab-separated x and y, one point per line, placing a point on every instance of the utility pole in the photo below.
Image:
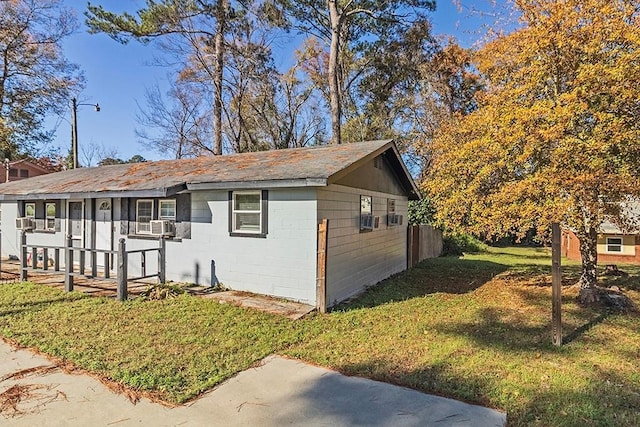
74	129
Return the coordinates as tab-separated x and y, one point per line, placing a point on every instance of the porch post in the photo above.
122	271
23	258
68	265
162	258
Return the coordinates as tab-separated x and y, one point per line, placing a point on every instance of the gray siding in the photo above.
375	175
355	259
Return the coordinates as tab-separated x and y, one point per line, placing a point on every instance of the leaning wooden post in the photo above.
321	280
162	258
122	271
68	265
556	283
23	261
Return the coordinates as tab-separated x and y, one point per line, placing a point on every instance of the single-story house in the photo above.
248	221
614	245
21	169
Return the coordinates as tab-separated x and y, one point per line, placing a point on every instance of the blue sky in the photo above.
117	75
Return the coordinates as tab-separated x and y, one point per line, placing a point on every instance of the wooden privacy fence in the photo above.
423	241
123	257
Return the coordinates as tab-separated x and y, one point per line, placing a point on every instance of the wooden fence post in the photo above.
34	258
68	265
122	271
23	261
107	266
162	258
321	280
45	258
82	263
556	284
94	263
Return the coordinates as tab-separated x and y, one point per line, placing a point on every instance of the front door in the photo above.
76	223
103	227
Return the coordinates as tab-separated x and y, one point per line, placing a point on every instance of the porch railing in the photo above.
122	255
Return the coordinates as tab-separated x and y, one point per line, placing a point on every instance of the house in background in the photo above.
614	245
21	169
248	221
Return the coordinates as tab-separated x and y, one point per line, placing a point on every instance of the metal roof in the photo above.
315	166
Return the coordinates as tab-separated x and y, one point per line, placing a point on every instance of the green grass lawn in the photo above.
475	328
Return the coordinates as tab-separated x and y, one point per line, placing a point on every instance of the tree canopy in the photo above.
35	77
556	136
352	29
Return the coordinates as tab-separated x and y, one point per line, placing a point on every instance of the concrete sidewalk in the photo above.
279	392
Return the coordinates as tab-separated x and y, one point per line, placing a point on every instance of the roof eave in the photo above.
155	192
255	184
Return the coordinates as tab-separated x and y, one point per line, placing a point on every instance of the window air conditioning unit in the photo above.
24	223
395	219
163	227
366	222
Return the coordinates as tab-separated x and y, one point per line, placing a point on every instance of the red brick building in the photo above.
613	246
21	169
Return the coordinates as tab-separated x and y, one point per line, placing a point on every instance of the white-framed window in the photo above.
614	244
144	215
50	216
167	209
247	212
30	210
366	213
391	211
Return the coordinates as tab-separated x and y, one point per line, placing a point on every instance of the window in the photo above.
144	215
24	173
50	220
13	172
168	209
248	211
30	210
614	244
366	213
391	212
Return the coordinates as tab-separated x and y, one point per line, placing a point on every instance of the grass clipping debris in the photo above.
20	399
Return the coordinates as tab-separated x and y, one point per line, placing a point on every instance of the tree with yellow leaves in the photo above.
556	136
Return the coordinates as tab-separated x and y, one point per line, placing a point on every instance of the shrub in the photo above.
455	244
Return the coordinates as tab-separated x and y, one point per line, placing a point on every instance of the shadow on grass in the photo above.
25	307
609	400
435	275
502	329
578	332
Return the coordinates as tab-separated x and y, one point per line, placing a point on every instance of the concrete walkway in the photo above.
279	392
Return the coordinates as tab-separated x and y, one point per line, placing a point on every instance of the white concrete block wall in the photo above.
355	259
283	264
11	235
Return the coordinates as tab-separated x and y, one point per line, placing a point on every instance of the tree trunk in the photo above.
334	82
589	275
221	18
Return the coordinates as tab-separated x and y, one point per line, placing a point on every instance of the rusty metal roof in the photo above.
278	168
